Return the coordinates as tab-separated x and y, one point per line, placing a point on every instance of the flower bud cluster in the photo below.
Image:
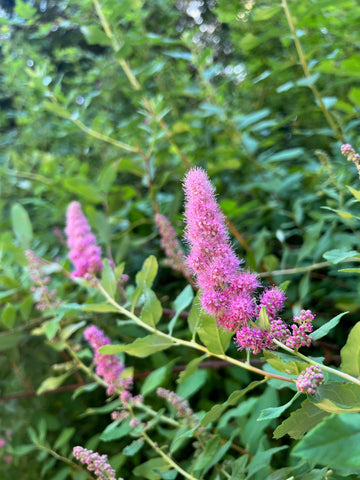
171	246
96	463
300	330
45	298
348	151
84	253
309	379
181	406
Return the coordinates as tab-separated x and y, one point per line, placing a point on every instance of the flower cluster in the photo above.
45	298
227	291
170	244
96	463
309	379
84	253
108	367
348	151
301	328
181	406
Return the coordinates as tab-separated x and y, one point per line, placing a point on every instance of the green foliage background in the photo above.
113	119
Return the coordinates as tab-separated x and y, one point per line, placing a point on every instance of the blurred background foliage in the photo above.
109	103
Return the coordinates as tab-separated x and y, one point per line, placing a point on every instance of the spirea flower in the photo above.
170	244
273	300
309	379
84	253
108	367
45	298
227	291
99	464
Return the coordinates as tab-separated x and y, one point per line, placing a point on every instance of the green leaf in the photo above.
141	347
108	280
156	378
194	318
113	431
264	322
57	109
182	301
285	155
21	225
308	81
84	189
51	383
95	35
152	310
337	256
216	411
238	468
133	448
275	412
262	459
193	384
284	362
350	353
342	214
211	447
334	443
190	369
8	315
150	468
99	308
338	397
325	329
300	421
144	279
354	192
212	336
64	437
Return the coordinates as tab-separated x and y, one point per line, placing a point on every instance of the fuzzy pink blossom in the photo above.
273	300
227	291
108	367
84	253
309	379
300	330
348	151
99	464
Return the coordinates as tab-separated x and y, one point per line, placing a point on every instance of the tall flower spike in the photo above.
108	367
99	464
227	291
84	253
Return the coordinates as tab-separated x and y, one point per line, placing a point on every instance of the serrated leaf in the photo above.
325	329
275	412
190	369
300	421
21	225
337	256
194	317
216	411
350	353
141	347
328	442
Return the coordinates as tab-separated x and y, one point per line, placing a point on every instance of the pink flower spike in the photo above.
84	253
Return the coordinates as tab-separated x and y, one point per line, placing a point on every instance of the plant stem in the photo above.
309	268
337	133
166	458
186	343
65	460
343	375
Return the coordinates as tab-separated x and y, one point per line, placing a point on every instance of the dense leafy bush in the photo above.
109	104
